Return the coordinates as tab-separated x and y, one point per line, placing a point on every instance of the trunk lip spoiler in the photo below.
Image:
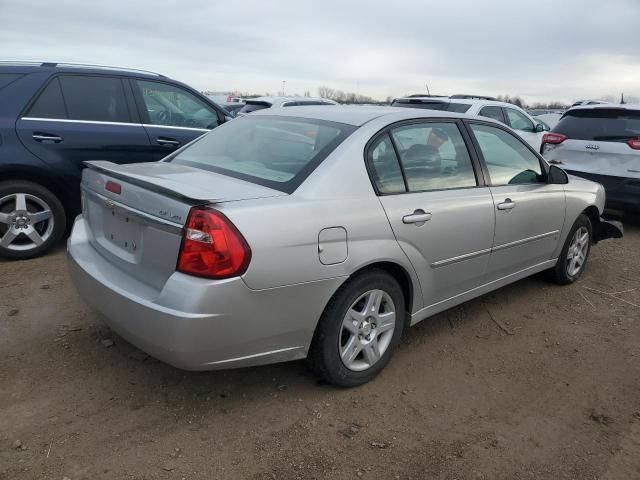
166	225
103	167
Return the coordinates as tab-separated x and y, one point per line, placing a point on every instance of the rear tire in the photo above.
32	220
359	330
575	252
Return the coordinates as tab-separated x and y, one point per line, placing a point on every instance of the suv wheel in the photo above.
359	330
32	220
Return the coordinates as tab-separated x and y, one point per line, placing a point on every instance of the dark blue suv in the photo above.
54	116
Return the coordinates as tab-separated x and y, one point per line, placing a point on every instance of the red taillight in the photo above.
212	247
553	138
634	143
113	187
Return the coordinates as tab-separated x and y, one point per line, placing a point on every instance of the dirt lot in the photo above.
547	389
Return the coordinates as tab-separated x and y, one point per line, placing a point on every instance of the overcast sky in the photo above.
541	50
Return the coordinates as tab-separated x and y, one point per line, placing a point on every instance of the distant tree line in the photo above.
343	97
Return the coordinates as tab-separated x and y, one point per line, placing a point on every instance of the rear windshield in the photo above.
604	124
277	152
431	105
252	107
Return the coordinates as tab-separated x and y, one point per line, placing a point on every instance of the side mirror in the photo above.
557	176
539	128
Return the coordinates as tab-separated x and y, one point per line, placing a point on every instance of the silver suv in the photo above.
260	103
601	143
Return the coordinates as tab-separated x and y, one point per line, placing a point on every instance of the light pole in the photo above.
283	84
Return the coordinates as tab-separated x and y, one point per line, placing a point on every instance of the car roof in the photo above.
278	100
358	115
607	106
37	67
466	101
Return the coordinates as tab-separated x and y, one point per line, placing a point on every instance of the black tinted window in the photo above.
492	112
612	124
95	98
252	107
49	103
7	78
431	105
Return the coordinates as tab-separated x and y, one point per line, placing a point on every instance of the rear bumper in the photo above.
622	193
198	324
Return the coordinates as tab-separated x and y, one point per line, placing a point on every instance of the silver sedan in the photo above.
322	233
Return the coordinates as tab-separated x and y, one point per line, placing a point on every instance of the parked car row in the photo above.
54	117
316	231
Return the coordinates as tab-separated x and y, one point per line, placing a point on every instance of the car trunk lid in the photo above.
136	212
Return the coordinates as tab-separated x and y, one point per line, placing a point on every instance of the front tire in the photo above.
359	330
575	252
32	220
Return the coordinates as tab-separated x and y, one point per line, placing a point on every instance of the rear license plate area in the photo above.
122	230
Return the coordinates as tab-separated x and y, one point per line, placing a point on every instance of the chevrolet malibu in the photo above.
322	233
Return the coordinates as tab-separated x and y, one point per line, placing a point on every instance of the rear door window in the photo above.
49	103
434	156
492	112
604	124
95	98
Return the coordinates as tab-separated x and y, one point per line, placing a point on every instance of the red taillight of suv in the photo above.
212	247
553	138
634	143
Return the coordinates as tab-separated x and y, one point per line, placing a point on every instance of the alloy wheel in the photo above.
367	330
577	253
26	221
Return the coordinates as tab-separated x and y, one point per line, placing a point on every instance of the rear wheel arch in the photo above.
400	274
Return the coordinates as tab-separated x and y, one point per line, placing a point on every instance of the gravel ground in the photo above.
533	381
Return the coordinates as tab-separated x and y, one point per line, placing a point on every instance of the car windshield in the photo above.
604	124
431	105
277	152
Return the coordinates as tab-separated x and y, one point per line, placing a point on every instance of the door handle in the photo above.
45	137
167	142
418	216
508	204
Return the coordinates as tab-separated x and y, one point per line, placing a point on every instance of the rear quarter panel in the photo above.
580	194
283	231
